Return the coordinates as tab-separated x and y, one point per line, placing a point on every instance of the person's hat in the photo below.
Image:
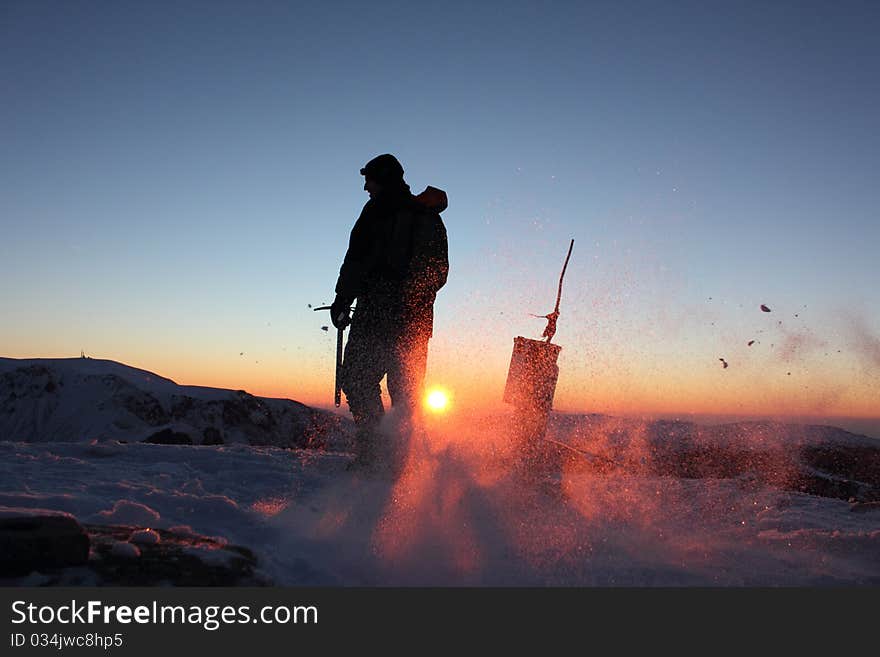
383	168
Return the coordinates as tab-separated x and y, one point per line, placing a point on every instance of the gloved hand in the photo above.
340	312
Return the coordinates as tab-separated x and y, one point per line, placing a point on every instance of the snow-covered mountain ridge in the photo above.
84	399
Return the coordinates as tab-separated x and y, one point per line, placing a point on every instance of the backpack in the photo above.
417	251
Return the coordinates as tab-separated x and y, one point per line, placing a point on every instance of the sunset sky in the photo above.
178	182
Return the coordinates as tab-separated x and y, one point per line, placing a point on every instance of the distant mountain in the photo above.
817	459
83	399
661	433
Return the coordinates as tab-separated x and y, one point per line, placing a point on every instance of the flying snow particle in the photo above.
765	308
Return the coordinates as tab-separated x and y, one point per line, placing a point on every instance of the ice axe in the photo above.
337	392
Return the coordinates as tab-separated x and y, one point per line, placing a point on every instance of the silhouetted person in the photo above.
397	260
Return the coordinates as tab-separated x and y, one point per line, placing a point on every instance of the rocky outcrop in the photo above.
33	542
172	558
120	555
33	381
29	396
140	404
212	436
860	463
242	417
169	437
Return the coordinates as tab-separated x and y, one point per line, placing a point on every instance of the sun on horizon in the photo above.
437	400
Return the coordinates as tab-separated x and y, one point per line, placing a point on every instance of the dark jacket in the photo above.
397	258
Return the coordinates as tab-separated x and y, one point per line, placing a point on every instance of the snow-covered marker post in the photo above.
532	375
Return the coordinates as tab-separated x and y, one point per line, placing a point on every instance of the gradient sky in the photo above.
178	181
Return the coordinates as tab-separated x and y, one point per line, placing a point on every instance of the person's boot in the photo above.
366	447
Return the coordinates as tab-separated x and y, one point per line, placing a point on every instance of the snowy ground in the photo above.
454	516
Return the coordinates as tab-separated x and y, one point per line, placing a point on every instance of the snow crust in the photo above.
443	523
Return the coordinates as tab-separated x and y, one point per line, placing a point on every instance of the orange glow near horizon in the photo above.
611	380
630	392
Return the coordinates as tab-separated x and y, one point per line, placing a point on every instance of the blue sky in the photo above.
178	181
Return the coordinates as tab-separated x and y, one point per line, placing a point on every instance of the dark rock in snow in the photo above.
181	405
212	436
39	542
169	437
31	381
175	559
140	404
860	463
865	507
244	410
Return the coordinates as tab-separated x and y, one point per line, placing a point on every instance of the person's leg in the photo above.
406	371
363	367
406	374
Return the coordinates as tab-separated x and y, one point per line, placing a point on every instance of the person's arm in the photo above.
354	267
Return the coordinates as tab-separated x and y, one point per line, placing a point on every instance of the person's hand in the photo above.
340	313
